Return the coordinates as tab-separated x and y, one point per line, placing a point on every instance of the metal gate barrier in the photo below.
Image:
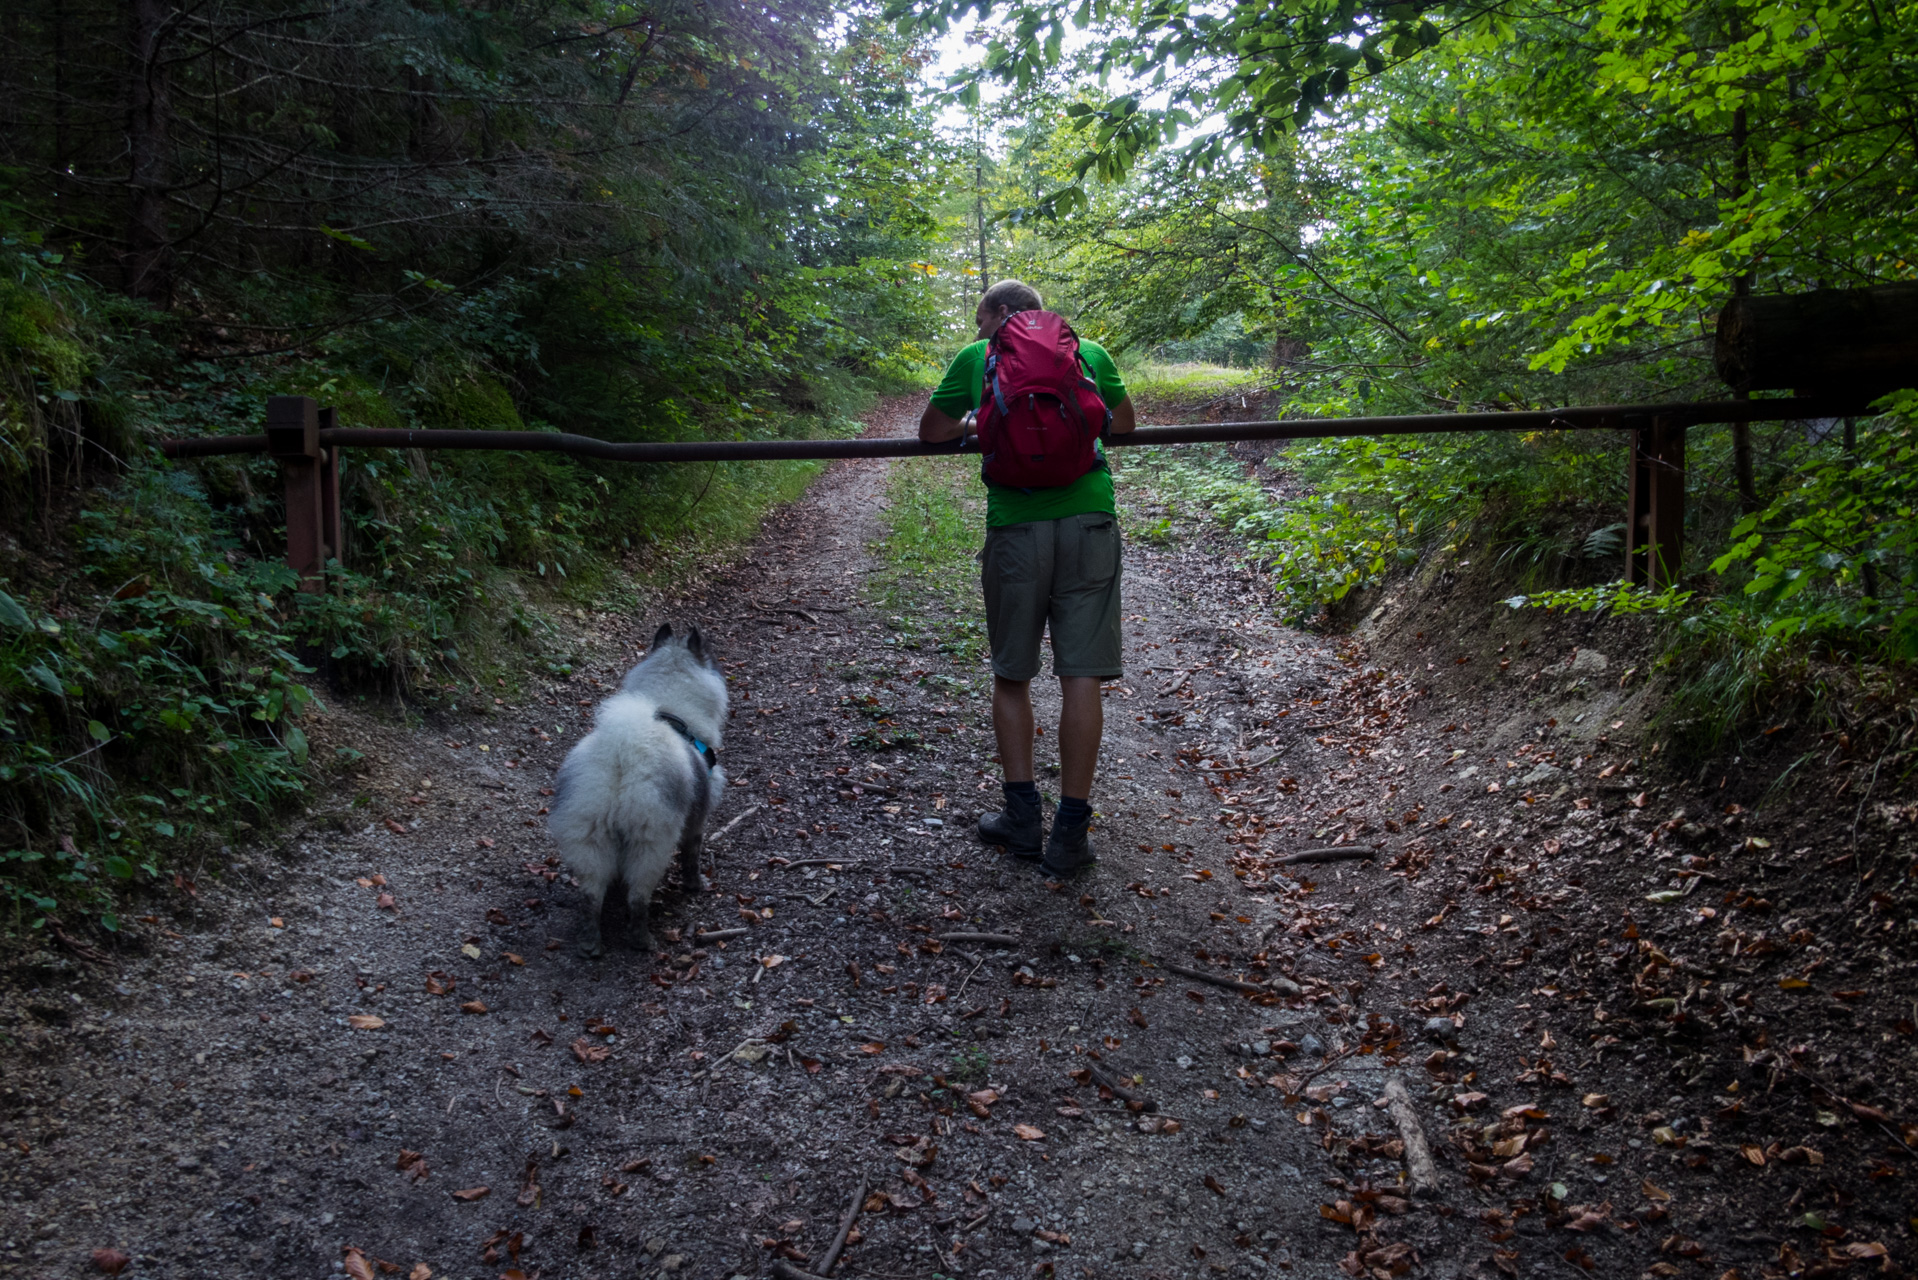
304	438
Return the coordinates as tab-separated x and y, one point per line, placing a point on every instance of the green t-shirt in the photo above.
959	391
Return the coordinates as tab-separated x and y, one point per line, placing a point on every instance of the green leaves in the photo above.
11	614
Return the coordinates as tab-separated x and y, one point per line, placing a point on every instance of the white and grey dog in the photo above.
644	781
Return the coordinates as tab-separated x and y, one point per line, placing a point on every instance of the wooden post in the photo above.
330	530
1655	513
293	436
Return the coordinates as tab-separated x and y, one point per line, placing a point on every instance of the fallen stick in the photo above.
784	1270
719	935
980	939
1183	676
977	961
712	839
767	608
1271	986
824	862
1419	1165
1343	853
1133	1101
845	1228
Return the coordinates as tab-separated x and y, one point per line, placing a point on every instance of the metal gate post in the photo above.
334	547
1655	513
293	436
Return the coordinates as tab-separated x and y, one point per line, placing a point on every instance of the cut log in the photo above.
1849	342
1420	1168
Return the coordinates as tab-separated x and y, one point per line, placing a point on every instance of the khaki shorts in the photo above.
1062	574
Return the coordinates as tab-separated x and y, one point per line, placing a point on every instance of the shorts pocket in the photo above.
1098	548
1007	558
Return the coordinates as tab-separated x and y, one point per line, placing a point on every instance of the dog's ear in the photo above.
662	635
696	645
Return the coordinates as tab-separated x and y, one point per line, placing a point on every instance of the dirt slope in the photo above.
205	1101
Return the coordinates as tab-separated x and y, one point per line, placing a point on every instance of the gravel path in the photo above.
371	1046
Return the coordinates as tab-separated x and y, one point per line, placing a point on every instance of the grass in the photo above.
1171	390
934	518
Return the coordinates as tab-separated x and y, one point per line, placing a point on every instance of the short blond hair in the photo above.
1013	295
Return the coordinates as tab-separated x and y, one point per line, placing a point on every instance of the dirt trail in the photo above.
377	1034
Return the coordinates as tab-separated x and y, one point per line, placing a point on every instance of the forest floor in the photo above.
1644	1029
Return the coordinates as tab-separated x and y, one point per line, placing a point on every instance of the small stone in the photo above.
1260	1048
1311	1045
1138	1248
1185	1063
187	1164
1440	1028
935	822
1023	1226
672	1262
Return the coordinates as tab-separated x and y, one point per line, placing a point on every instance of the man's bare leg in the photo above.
1081	725
1012	724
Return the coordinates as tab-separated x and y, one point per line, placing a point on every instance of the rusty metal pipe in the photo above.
1586	417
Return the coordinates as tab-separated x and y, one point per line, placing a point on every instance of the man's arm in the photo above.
936	427
1124	420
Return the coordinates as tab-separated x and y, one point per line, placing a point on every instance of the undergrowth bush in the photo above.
1374	505
157	656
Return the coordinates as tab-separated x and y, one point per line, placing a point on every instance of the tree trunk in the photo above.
146	268
1742	469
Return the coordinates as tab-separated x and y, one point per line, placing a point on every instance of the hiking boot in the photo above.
1069	849
1019	827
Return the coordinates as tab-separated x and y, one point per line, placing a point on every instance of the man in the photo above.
1051	558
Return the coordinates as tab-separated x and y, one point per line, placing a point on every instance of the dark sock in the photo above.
1027	792
1074	813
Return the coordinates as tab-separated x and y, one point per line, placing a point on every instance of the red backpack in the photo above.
1039	412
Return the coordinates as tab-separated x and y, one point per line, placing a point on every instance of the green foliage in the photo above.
704	228
1835	555
1374	504
171	707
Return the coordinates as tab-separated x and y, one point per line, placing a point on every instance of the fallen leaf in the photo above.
471	1193
510	958
420	1271
586	1051
1029	1132
387	903
356	1265
1212	1185
470	951
364	1022
397	828
111	1261
473	1006
873	1046
1753	1152
277	923
1659	1194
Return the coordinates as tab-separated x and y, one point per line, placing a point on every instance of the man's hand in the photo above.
936	428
